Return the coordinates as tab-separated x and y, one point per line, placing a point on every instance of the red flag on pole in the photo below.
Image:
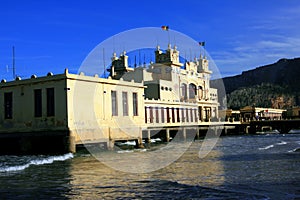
165	28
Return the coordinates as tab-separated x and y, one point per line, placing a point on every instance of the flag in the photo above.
165	28
202	44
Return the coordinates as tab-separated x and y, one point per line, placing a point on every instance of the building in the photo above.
292	113
81	109
230	115
255	113
175	93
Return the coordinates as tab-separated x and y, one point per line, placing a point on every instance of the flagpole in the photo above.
104	71
166	28
168	37
13	62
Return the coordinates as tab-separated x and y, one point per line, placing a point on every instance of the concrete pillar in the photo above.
148	139
167	135
225	130
197	133
184	133
139	143
71	144
110	144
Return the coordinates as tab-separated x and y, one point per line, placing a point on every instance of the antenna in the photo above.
140	58
104	74
13	62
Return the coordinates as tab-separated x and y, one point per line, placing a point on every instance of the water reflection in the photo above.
92	179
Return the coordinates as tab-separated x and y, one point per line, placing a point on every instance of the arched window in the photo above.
200	92
192	91
183	91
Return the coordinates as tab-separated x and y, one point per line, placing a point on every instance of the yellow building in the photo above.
174	95
74	106
82	109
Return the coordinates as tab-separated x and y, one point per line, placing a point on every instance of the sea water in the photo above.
238	167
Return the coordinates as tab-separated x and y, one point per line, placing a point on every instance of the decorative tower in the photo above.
166	63
119	66
203	65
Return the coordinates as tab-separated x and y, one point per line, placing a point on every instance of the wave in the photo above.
267	147
272	145
281	143
294	150
129	143
131	151
41	161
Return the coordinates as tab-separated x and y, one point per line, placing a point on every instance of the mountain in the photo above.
276	85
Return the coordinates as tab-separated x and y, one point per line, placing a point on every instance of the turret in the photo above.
170	57
202	63
119	66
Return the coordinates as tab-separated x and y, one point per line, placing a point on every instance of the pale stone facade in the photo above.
92	109
81	106
174	95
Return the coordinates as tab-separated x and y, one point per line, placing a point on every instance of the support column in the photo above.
197	134
110	144
167	135
184	133
148	140
139	143
225	130
71	144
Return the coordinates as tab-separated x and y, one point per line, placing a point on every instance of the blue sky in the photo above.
53	35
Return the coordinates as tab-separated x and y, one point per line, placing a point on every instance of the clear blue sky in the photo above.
53	35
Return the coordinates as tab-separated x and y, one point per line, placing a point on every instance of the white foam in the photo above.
267	147
131	151
43	161
155	140
125	151
293	150
281	143
130	143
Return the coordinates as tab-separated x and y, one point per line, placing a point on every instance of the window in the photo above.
168	115
135	104
156	115
8	107
173	115
151	114
38	103
114	103
182	115
192	91
192	118
187	114
50	102
125	103
183	91
178	114
200	92
162	115
200	112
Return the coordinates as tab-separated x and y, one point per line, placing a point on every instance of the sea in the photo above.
263	166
